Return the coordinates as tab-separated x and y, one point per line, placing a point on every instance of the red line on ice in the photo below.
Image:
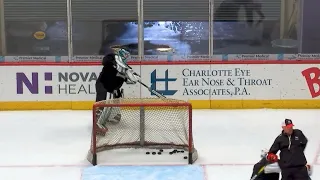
86	165
315	159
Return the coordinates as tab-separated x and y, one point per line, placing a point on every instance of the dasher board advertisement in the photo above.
205	85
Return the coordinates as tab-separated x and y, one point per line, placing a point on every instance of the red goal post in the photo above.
149	123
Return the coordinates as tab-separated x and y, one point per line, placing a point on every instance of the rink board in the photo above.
205	84
196	104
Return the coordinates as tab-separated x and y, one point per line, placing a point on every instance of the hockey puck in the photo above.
174	151
170	153
182	151
161	150
147	152
185	157
154	153
159	153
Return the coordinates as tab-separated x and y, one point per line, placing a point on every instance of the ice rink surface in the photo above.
52	145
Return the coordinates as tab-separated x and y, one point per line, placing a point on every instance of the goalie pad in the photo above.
110	114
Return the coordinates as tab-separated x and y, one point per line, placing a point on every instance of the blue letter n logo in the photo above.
166	80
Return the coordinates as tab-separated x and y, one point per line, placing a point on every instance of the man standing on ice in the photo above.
291	143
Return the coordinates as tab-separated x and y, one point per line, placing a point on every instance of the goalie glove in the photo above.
132	77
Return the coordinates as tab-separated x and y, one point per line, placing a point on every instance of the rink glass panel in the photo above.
176	27
39	27
150	123
161	37
35	27
2	31
92	35
234	35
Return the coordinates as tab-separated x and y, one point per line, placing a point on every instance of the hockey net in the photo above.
150	123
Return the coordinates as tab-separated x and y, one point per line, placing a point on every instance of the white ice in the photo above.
52	145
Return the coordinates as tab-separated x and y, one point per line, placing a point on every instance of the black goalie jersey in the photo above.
109	79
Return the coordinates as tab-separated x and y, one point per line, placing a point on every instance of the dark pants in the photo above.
101	92
296	173
271	176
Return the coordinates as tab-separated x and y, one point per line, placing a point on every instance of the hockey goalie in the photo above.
114	74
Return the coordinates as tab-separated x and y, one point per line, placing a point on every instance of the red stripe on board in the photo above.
97	63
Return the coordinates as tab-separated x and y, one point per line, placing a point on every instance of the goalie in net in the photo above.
150	123
108	86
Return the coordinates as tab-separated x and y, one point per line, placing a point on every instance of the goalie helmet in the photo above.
123	54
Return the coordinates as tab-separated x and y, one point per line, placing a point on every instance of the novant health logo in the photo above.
56	83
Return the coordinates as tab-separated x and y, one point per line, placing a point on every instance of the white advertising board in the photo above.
232	82
53	83
188	82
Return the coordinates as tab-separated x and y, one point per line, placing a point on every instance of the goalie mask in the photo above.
123	54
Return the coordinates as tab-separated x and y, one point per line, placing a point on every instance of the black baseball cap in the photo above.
287	123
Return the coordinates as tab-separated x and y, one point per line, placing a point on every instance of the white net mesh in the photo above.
145	123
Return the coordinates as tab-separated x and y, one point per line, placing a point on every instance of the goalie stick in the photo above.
124	65
258	173
159	95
